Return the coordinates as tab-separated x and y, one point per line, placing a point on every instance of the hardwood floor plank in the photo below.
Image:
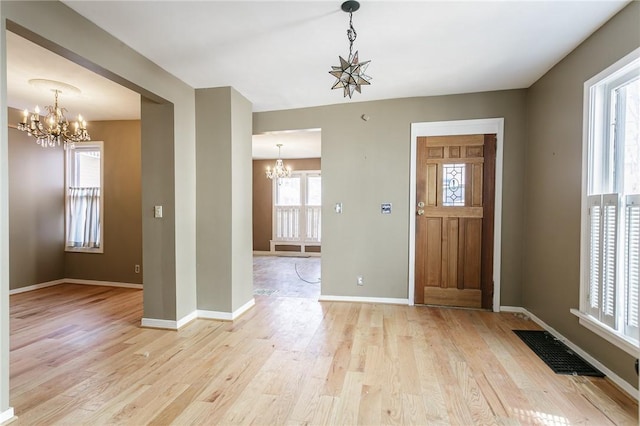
79	356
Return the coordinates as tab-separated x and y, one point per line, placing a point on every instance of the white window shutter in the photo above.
632	270
609	259
595	254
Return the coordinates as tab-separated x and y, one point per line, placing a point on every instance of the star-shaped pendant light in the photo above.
350	74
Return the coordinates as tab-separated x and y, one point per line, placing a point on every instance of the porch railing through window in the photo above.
297	224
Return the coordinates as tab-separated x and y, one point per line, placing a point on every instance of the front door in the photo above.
455	183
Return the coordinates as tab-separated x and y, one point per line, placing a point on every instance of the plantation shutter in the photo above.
609	258
595	254
632	256
603	242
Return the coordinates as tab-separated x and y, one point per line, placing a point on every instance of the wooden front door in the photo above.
455	183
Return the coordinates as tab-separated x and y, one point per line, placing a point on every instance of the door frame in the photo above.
449	128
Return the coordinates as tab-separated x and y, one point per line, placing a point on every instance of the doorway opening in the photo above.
287	214
41	252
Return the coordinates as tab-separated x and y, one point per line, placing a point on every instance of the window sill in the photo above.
625	343
83	250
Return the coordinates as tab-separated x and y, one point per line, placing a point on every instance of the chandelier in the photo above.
279	170
54	127
350	74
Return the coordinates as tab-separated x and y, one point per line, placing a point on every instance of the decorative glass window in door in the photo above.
453	185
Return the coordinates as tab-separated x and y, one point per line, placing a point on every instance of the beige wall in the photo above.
224	263
551	271
367	163
122	208
263	195
36	209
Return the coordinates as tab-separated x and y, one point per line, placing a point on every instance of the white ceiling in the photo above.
99	98
278	53
295	144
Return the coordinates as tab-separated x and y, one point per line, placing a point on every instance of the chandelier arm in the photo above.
54	127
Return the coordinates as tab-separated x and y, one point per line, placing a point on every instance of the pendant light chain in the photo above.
351	73
351	34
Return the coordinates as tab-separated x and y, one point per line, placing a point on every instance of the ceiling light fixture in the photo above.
350	74
54	127
279	170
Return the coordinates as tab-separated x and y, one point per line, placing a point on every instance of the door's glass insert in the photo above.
453	185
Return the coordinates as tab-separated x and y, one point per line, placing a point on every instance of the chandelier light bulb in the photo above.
279	170
57	126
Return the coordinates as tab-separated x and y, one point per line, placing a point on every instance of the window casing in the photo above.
84	205
611	204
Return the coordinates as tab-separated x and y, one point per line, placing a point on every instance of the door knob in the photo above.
420	212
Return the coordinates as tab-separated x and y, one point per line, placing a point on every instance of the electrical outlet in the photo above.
359	280
137	269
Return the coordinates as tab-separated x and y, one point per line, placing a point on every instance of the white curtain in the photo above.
84	218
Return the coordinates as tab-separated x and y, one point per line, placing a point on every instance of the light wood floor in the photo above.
79	356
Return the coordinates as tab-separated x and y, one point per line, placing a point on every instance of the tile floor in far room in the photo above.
276	276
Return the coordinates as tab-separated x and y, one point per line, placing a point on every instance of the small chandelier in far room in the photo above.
54	128
350	74
279	170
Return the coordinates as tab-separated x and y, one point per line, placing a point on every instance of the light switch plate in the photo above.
338	208
157	211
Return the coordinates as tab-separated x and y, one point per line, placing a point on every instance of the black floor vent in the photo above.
556	354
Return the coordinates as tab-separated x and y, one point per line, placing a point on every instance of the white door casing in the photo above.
459	127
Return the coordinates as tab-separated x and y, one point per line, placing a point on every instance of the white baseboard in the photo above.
102	283
73	281
516	309
36	286
279	253
244	308
159	323
168	324
385	300
621	383
226	316
215	315
187	319
6	415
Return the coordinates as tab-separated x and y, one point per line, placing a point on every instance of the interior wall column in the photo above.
158	189
6	412
223	202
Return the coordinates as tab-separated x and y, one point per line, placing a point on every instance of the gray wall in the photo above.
241	203
224	263
36	209
367	163
551	271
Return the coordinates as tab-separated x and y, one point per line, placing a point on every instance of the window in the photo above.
610	268
297	206
83	200
453	180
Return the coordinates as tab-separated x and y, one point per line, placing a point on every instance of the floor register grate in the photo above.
556	354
